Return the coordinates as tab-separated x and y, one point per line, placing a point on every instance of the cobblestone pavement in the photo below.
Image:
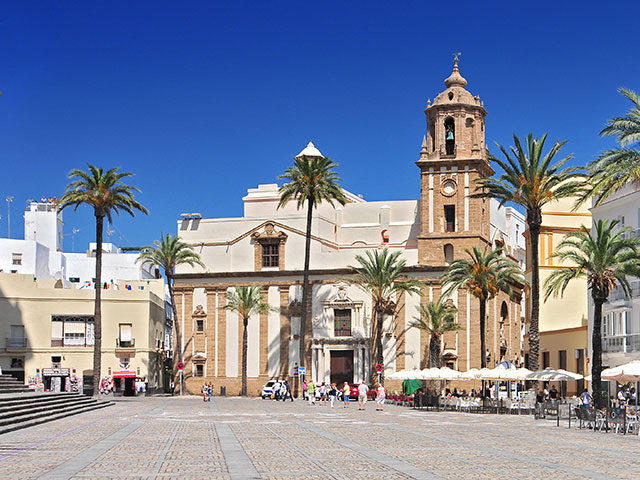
232	438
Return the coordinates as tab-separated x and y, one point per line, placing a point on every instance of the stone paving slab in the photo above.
233	438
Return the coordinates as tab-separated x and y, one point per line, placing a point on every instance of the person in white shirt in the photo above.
276	391
363	388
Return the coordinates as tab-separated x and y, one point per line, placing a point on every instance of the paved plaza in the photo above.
171	437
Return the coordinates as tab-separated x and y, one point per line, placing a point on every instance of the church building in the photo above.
266	247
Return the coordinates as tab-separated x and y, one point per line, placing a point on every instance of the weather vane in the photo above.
456	56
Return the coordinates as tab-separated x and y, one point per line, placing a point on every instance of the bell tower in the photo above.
452	158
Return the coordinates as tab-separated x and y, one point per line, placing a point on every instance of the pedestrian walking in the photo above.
276	390
363	388
323	394
305	385
210	390
346	391
287	391
311	392
205	392
381	395
333	393
172	387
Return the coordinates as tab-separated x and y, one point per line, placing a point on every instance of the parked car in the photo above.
267	389
371	394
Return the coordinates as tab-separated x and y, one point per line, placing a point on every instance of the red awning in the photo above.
124	375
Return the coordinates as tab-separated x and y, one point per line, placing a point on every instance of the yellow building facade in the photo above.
563	320
48	332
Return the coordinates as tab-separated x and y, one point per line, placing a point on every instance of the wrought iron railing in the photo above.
621	343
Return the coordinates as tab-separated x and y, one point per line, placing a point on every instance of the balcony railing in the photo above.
621	343
632	233
125	343
16	342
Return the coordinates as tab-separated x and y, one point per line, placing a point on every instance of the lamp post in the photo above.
9	200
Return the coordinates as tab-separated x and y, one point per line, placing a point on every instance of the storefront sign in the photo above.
55	372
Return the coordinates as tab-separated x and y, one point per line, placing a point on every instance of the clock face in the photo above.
449	188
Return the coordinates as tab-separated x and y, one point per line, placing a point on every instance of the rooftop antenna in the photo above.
9	200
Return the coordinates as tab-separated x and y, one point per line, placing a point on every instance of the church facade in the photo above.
266	247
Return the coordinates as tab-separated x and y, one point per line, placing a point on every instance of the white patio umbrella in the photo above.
429	374
447	373
470	374
400	375
553	375
629	372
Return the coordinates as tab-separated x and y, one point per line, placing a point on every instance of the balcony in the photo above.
125	343
621	343
632	233
16	343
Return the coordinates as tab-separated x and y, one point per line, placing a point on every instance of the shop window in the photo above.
450	218
16	258
270	255
199	371
342	322
17	363
199	325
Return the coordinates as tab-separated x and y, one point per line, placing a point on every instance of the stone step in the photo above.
43	419
14	390
8	411
46	411
31	396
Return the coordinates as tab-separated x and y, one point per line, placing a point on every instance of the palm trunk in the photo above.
245	322
483	347
305	286
177	342
379	353
596	344
97	312
534	220
435	359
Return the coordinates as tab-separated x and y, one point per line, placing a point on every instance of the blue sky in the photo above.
202	100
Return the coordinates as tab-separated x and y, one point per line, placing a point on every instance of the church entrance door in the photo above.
341	366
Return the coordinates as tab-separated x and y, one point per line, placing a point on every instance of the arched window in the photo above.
449	135
504	312
385	236
448	253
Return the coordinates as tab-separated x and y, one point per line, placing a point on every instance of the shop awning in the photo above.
124	374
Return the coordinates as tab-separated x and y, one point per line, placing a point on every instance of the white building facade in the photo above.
621	314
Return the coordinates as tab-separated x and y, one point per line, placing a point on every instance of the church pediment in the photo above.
341	299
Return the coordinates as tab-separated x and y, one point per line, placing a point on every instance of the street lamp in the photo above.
9	200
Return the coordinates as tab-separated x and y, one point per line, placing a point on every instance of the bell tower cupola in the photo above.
452	158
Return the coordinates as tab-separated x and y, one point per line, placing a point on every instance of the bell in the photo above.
449	135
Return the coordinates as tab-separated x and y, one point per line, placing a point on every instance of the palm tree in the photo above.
246	301
168	253
105	192
380	274
605	258
312	179
615	168
484	274
530	180
436	318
